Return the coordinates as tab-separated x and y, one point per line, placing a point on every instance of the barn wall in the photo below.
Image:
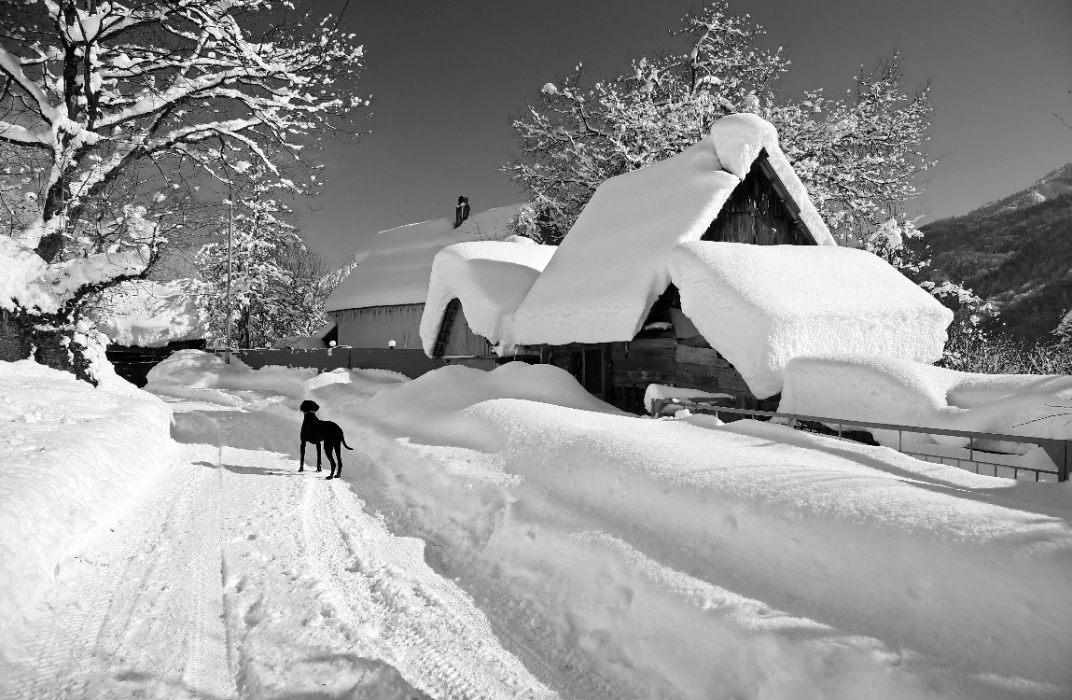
756	213
375	326
463	341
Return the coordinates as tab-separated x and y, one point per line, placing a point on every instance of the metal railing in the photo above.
1059	451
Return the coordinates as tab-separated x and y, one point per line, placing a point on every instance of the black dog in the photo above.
316	431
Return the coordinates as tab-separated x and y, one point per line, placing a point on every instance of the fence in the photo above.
1059	451
412	363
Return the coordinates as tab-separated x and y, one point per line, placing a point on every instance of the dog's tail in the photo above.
345	445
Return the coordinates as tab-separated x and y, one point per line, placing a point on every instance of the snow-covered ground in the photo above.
507	535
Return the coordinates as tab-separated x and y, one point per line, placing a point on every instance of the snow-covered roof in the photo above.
490	278
394	268
612	266
760	306
152	314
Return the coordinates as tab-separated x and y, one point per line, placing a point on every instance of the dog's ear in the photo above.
308	406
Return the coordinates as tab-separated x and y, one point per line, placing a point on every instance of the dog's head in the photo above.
309	406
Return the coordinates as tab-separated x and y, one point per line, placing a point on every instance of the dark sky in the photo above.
445	77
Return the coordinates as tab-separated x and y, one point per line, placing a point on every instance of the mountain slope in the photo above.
1016	252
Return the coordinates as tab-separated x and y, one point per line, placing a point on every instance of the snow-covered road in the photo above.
245	578
502	535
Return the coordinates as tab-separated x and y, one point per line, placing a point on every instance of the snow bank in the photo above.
193	374
417	408
152	314
760	306
613	264
751	560
394	269
71	452
489	278
903	392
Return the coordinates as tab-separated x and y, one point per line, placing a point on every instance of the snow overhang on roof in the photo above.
395	266
489	278
612	265
760	306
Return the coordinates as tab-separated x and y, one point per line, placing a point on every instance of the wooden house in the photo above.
380	303
661	281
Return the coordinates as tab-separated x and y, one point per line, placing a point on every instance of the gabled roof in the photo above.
395	266
612	266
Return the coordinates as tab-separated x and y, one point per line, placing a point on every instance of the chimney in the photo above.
461	211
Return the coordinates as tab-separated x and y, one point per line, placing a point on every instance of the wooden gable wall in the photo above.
759	211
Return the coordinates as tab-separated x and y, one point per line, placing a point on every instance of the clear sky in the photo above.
445	77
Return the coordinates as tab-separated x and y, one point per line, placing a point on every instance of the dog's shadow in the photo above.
256	471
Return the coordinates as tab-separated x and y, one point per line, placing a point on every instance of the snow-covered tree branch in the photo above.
133	105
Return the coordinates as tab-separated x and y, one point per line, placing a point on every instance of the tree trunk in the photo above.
15	342
19	340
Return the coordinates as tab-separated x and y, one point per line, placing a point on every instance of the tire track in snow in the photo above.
420	623
136	616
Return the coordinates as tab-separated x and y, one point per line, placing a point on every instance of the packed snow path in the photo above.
241	577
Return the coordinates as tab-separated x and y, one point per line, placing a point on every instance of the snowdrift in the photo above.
747	560
760	306
71	453
193	374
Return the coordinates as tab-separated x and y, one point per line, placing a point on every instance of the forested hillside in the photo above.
1016	252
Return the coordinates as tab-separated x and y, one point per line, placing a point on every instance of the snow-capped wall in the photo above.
490	278
903	392
152	314
760	306
395	267
613	264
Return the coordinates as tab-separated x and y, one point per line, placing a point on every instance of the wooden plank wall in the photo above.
683	362
756	213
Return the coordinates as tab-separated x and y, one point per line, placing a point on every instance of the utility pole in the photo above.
230	250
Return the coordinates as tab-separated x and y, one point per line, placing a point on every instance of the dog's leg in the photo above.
318	456
301	464
338	455
331	460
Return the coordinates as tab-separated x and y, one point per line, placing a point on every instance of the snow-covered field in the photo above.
503	535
